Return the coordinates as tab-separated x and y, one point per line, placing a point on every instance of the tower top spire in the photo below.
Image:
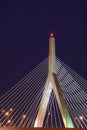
52	59
52	83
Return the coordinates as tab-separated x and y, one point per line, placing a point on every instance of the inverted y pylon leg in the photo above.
52	83
43	105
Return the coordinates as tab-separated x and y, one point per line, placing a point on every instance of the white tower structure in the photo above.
52	83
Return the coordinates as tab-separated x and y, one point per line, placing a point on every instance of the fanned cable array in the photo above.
19	106
74	89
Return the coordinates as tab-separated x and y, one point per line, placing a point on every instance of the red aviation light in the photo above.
51	35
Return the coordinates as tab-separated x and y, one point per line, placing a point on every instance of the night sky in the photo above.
24	33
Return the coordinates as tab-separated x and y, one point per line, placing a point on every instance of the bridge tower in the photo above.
52	83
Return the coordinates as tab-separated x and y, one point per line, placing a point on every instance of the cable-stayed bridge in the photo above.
19	107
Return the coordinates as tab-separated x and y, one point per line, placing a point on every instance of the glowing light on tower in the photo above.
51	35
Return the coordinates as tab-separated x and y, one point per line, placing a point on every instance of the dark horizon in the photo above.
25	28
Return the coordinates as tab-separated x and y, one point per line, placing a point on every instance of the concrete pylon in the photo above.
52	83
